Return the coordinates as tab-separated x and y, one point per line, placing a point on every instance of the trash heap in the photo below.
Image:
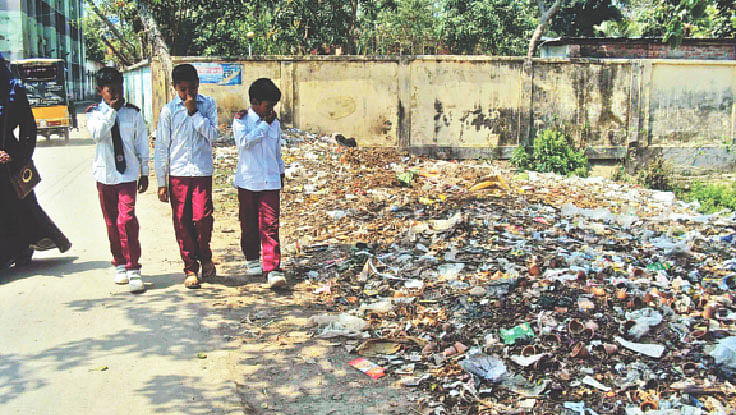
490	293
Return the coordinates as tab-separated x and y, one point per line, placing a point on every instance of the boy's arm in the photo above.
100	121
282	167
163	146
205	122
245	138
276	125
141	144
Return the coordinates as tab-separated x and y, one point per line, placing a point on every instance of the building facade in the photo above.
46	29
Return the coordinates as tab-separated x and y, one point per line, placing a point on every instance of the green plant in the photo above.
552	152
712	197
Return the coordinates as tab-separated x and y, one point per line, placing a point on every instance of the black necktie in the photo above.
117	145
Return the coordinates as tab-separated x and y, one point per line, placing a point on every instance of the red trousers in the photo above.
259	226
191	207
118	209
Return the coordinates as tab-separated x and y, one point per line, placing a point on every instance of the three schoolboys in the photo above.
183	161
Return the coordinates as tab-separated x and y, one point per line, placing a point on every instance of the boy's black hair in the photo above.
108	76
184	73
264	89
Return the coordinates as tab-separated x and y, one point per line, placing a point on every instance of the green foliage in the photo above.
552	152
99	38
712	197
496	27
581	17
674	19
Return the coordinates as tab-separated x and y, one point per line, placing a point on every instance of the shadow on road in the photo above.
55	267
74	142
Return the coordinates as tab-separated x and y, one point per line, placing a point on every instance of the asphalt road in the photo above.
72	342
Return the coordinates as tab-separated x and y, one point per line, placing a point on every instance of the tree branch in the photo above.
129	49
543	22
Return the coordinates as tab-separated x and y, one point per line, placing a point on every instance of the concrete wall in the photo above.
461	106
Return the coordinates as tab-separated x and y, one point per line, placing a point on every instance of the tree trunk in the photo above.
352	39
158	47
543	22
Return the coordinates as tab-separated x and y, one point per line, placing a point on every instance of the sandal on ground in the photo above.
192	281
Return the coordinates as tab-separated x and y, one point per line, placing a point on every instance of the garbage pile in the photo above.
491	293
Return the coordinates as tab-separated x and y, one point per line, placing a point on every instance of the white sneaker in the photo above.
135	282
121	276
253	268
276	279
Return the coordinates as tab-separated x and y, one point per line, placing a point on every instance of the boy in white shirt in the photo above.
259	179
183	159
121	155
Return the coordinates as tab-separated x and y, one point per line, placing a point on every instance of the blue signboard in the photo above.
219	73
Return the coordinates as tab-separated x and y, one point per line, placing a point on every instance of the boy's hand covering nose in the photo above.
191	105
270	117
117	103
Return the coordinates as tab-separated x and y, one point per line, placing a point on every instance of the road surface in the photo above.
72	342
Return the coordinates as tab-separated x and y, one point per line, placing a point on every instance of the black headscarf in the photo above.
8	83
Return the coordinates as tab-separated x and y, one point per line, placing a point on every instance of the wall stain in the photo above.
440	119
336	108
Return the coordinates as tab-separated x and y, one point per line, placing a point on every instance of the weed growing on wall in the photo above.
552	152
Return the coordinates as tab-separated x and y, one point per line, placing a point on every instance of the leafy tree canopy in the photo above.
499	27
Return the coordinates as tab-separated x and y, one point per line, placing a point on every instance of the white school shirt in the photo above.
260	165
184	142
133	134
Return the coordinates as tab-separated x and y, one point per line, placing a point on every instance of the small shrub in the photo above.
712	197
552	152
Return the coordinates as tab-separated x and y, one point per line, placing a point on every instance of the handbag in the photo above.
26	178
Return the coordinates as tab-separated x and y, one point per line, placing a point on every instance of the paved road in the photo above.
62	320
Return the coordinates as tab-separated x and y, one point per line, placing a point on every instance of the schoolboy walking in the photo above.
259	179
120	168
186	129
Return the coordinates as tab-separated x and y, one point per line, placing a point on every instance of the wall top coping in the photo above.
436	58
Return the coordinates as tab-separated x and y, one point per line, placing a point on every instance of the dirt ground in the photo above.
278	365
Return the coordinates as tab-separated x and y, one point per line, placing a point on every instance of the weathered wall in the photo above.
462	106
591	99
692	104
357	97
465	103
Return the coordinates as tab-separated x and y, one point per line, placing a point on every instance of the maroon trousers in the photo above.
259	226
191	207
118	209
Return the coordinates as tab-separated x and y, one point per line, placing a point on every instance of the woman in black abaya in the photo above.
24	226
